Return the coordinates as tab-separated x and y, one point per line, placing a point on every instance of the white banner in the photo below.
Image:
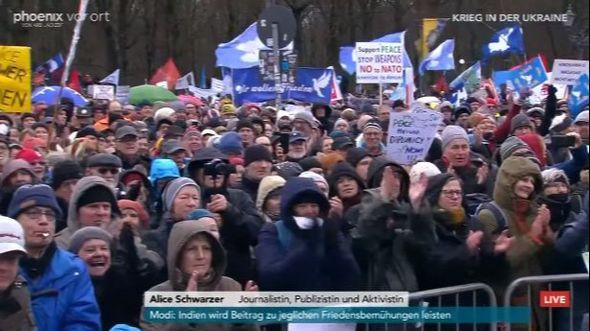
567	72
102	92
184	81
217	85
379	62
410	135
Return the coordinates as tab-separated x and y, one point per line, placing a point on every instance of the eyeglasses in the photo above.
452	193
41	163
35	214
104	171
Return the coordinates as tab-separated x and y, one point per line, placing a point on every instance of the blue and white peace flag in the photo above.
578	98
113	78
506	41
441	58
242	51
54	63
469	79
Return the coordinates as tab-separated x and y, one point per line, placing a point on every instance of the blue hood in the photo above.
162	168
295	189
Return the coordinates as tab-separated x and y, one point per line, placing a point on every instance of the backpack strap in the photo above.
499	214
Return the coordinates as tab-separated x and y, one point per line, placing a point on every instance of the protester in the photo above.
93	203
14	293
120	277
64	177
196	262
61	291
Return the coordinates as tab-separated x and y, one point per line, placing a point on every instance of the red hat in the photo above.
236	161
29	155
136	206
535	142
491	102
34	143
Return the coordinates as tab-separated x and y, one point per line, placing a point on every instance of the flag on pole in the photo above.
185	81
168	72
470	79
113	78
506	41
242	51
431	30
441	58
54	63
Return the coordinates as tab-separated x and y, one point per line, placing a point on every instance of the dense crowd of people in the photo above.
104	202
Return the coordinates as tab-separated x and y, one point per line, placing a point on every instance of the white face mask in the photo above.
4	129
306	223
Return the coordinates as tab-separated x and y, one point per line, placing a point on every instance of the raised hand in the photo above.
473	241
503	242
251	286
417	191
192	282
482	174
336	207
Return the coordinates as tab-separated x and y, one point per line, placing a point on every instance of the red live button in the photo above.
555	299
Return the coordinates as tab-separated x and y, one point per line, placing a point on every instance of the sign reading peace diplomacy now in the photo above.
379	62
15	79
410	135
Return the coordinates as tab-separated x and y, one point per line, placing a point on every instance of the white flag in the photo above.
200	92
113	78
185	81
217	85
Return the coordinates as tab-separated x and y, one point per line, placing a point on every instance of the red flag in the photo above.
168	72
74	81
441	85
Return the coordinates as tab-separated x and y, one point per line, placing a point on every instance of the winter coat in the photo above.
293	259
240	225
468	175
141	160
250	187
16	311
182	233
119	292
525	256
63	296
62	238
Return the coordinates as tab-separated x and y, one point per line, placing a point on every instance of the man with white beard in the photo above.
297	147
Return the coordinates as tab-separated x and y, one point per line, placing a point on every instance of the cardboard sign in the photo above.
123	94
379	62
102	92
566	72
410	135
15	79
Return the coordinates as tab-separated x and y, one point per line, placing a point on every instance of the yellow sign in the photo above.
428	25
15	79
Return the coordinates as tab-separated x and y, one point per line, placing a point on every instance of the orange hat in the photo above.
137	207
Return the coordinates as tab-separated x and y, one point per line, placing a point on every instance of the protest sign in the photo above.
410	135
379	62
123	93
567	72
15	79
102	92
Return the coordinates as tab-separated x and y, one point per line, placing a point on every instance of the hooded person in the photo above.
119	275
557	197
517	187
346	184
360	160
383	232
304	240
268	199
196	260
93	203
16	173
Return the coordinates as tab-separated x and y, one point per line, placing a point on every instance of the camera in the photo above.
563	141
216	168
